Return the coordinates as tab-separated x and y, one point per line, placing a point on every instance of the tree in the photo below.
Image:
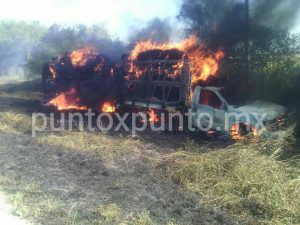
272	50
16	41
60	39
203	16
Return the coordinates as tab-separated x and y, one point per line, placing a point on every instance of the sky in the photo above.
118	15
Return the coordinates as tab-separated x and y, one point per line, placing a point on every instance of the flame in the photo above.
143	46
52	71
238	136
67	101
203	63
153	117
80	57
235	134
108	107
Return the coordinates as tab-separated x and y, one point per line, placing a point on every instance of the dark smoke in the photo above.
158	31
276	13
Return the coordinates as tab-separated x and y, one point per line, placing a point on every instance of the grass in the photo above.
112	214
27	90
245	180
250	181
10	78
107	147
11	121
13	117
30	202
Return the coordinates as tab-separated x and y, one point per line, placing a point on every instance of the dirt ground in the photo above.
48	184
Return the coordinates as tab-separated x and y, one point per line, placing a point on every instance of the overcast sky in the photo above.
119	15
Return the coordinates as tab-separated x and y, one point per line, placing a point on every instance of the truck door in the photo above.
209	102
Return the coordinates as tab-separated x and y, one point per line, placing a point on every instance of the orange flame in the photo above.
108	107
143	46
235	133
80	57
238	136
203	63
67	101
203	66
153	117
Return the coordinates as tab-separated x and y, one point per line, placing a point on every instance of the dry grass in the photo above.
112	214
246	180
17	98
108	148
11	121
243	179
31	203
22	95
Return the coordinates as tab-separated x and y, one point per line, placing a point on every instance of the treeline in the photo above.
16	42
30	45
262	61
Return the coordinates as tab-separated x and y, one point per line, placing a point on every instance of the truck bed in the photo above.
155	88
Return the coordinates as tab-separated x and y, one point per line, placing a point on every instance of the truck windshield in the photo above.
209	98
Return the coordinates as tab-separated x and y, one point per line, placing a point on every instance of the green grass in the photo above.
244	179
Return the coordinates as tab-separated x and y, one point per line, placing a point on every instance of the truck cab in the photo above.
211	110
209	101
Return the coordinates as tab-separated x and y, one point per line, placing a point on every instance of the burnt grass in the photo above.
52	184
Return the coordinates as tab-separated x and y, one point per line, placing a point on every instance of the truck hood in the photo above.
272	111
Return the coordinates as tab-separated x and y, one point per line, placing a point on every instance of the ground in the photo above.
96	178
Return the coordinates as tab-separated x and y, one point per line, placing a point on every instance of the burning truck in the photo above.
153	77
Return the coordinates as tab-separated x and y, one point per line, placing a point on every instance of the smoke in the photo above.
159	31
275	13
114	49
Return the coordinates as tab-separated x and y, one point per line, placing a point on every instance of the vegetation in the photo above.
261	55
28	46
108	148
248	181
16	42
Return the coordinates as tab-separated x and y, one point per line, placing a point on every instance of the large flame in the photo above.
143	46
203	63
80	57
67	101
